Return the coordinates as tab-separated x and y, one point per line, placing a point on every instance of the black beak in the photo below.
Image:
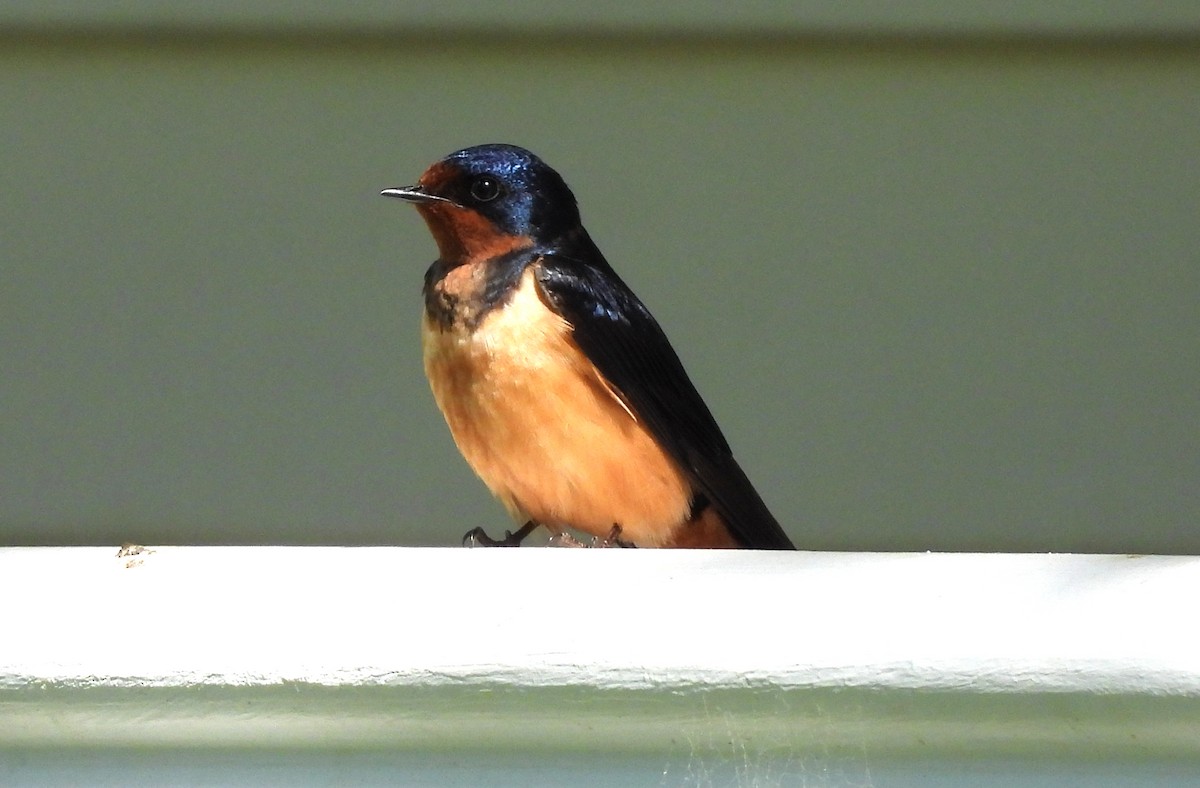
416	194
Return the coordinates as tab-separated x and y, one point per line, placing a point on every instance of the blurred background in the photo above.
936	269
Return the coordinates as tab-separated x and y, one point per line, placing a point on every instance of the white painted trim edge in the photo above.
95	645
610	618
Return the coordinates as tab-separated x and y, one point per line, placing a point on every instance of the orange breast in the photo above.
544	431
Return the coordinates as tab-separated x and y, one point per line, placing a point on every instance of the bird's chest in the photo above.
542	427
486	370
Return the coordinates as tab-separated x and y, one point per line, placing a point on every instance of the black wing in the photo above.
625	342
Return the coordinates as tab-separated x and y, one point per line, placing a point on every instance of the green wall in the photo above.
940	290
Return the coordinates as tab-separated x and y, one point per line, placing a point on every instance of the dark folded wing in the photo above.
626	344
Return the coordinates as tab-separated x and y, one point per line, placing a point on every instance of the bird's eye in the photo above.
485	188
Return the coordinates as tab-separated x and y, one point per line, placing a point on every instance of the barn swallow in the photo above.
559	387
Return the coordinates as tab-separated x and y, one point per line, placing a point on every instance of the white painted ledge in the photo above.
599	650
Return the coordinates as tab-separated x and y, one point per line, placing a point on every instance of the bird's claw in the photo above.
476	537
613	539
564	539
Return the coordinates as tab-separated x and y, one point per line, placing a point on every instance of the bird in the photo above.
559	387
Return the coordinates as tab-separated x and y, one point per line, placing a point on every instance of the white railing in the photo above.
751	660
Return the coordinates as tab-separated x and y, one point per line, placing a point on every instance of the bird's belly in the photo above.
543	429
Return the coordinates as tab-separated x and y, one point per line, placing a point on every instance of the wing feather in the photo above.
620	336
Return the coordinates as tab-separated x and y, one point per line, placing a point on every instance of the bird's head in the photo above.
486	200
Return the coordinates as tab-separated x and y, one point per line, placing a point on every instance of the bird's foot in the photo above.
564	539
613	539
477	538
